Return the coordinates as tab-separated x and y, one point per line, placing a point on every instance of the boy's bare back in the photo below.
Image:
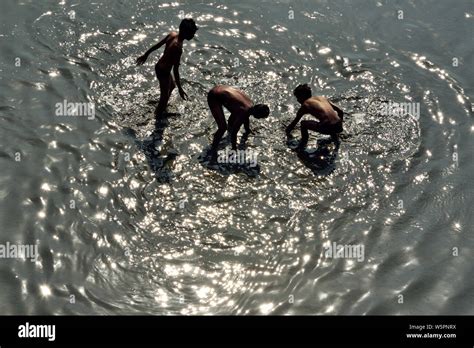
322	109
233	99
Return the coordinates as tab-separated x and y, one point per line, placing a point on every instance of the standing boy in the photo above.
170	60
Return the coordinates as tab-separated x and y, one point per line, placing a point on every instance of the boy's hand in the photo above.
141	60
183	94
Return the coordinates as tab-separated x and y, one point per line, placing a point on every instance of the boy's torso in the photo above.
172	54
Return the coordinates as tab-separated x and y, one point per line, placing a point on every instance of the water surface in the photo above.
128	223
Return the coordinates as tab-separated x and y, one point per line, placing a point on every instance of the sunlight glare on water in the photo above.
136	224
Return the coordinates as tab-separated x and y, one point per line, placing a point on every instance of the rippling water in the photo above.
129	223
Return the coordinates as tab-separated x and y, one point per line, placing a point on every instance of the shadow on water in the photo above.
227	162
160	164
320	160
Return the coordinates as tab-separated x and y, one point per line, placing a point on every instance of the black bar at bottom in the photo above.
291	331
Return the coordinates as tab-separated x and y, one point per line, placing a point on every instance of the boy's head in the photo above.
188	28
302	92
260	111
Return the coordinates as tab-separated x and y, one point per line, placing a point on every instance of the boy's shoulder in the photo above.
314	103
319	98
310	102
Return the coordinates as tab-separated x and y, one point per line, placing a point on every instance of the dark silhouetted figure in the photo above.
330	117
240	107
170	60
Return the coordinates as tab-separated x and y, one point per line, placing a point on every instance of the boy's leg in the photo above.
305	127
164	95
334	131
218	114
172	86
338	128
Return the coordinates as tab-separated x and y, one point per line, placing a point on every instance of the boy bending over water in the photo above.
240	107
170	60
329	115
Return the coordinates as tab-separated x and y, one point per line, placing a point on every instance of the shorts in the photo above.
329	129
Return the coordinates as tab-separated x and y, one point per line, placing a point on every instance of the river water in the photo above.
129	219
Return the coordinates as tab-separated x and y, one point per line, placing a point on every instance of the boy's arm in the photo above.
339	111
141	60
247	125
301	112
234	129
233	138
335	107
178	81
